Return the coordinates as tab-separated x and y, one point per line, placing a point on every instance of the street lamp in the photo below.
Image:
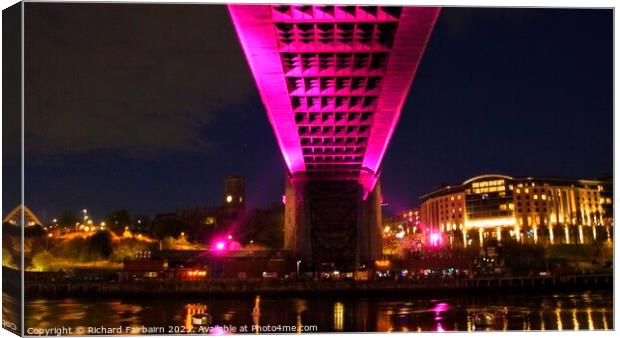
298	263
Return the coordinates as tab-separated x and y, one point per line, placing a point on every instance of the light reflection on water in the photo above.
584	311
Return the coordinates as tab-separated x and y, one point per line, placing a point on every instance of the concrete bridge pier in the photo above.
330	224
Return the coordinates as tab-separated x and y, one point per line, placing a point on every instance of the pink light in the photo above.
439	308
414	31
220	245
435	239
257	36
255	27
218	330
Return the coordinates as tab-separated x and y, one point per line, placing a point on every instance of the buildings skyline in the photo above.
527	209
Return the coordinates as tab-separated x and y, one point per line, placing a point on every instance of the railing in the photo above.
232	287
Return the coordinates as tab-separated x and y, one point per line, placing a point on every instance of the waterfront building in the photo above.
402	224
412	218
209	264
526	209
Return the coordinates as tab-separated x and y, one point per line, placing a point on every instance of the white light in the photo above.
229	198
490	222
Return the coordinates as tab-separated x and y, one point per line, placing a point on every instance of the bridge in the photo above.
15	217
333	80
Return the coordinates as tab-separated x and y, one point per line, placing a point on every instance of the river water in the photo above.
520	311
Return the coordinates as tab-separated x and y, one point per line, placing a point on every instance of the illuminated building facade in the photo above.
407	222
526	209
333	80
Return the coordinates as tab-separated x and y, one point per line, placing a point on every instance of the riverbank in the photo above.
150	288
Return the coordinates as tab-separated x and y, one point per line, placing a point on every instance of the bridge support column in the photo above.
369	229
328	224
296	228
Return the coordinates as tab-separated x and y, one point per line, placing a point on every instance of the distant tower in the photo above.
234	191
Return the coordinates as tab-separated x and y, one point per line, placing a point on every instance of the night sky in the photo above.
149	107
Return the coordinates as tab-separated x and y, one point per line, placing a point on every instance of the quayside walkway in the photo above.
242	287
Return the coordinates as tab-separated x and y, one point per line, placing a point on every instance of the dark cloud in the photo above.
141	79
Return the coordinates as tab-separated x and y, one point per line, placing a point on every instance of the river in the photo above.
520	311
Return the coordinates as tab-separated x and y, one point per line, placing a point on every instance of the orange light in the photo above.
382	263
